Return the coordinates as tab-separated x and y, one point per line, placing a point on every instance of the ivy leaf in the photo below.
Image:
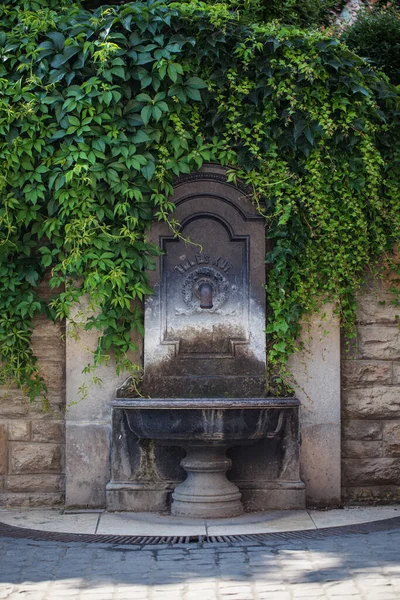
46	260
148	170
193	94
143	98
58	39
146	113
196	83
174	69
56	75
31	276
140	137
98	144
68	53
298	127
358	88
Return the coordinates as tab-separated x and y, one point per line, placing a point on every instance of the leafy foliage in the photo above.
376	35
99	112
295	12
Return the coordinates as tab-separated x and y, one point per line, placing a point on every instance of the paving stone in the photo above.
353	567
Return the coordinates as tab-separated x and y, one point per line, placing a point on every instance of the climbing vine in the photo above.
100	111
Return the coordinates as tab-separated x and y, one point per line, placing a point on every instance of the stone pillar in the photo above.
88	422
317	374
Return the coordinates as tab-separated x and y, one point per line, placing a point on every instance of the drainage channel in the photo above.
12	531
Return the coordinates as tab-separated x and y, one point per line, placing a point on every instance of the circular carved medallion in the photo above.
218	282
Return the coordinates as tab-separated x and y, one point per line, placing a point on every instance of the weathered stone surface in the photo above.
378	471
12	404
361	449
362	430
317	374
34	483
3	449
379	494
53	373
47	340
391	438
396	373
379	341
88	464
44	291
30	499
207	343
321	476
375	305
359	372
47	431
1	484
35	458
381	402
54	410
348	348
19	430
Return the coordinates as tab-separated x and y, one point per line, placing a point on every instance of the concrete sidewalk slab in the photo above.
153	524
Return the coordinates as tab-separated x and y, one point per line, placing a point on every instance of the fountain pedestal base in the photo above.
149	438
206	492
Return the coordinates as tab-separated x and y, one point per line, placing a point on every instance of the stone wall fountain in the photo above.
204	372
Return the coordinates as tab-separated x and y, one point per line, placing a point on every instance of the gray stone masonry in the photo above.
31	440
371	401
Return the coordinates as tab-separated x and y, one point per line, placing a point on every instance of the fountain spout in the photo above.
206	295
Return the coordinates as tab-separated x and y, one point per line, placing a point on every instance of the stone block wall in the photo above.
32	441
371	402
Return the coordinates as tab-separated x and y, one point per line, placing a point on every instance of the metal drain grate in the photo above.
202	540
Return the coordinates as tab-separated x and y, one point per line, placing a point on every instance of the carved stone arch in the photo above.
220	349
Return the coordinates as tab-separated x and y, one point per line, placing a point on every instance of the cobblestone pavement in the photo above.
352	566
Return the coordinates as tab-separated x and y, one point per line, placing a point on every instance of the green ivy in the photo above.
99	112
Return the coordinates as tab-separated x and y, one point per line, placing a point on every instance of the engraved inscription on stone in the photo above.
200	259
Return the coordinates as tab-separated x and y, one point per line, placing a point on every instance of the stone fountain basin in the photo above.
215	421
206	428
